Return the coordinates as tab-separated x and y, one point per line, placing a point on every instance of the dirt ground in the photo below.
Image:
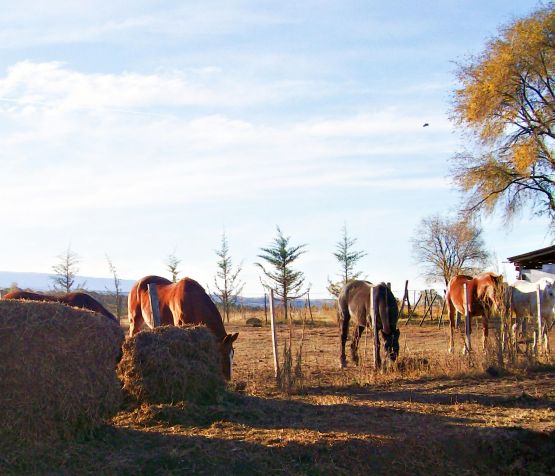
432	414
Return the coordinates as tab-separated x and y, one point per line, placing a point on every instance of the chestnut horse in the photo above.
77	299
354	300
184	302
484	295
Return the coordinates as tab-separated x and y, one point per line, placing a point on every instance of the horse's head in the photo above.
490	290
548	298
226	349
391	344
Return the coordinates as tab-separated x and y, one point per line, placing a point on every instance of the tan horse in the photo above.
77	299
184	302
484	293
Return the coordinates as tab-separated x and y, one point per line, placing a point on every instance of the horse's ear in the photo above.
230	338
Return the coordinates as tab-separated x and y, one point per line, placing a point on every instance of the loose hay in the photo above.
171	364
253	322
57	371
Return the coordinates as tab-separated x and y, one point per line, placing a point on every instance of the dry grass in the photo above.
431	413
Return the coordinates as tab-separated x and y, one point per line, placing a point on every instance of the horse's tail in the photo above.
343	313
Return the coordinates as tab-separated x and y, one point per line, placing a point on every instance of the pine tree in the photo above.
282	278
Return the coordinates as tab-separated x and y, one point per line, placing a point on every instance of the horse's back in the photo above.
85	301
27	295
197	306
354	299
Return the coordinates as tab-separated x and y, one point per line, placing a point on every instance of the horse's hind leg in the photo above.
354	344
545	332
451	314
343	332
134	316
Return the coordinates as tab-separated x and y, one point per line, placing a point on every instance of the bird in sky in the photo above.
426	125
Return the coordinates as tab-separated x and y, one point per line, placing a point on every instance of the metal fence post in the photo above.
468	343
274	336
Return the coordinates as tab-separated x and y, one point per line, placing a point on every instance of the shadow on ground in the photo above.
254	435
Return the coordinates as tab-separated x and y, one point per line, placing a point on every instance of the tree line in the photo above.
442	249
505	108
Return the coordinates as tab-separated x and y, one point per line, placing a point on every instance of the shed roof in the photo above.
534	259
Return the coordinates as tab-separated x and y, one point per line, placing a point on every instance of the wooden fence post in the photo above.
265	309
442	308
274	336
413	309
405	299
429	309
467	343
154	306
309	307
539	331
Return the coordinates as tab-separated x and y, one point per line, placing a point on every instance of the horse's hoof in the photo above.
343	363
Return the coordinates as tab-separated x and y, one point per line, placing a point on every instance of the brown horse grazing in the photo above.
184	302
354	300
485	294
77	299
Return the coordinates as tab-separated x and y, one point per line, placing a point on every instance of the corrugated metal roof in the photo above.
534	259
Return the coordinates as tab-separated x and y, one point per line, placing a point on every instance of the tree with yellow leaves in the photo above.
507	102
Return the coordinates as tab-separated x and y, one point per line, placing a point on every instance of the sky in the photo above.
140	129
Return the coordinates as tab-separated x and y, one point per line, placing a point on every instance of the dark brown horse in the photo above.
354	300
484	295
77	299
184	302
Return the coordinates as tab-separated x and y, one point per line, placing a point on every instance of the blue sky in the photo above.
139	129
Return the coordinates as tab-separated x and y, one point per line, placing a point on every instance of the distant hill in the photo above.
43	282
259	302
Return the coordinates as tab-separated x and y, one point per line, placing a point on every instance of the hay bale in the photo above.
57	371
254	322
171	364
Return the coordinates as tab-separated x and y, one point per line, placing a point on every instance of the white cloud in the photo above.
76	141
55	86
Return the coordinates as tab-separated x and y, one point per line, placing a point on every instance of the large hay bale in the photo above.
171	364
57	371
